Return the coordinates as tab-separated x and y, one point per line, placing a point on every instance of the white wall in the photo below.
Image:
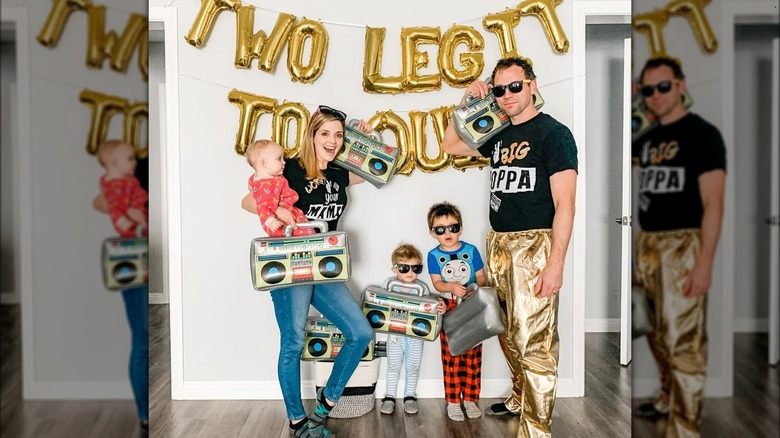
8	291
604	97
230	340
76	338
751	174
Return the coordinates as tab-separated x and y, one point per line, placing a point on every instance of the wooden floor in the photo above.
52	419
603	412
753	411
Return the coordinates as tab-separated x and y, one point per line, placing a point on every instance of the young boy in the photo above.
453	265
270	188
406	266
124	196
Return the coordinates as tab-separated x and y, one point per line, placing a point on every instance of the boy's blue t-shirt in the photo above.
459	266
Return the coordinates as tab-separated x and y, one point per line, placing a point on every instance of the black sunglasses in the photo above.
332	112
515	87
404	268
663	87
454	228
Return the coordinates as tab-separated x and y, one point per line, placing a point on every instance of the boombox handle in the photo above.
399	283
470	291
489	83
373	134
321	225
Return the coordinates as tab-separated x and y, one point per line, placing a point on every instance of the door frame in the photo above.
731	15
585	12
165	19
22	177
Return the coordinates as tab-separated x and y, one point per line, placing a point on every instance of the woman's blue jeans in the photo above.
335	302
137	306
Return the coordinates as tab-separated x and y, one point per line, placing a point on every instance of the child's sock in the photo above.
472	410
299	429
454	412
317	418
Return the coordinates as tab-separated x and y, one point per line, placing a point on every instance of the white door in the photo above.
625	219
774	219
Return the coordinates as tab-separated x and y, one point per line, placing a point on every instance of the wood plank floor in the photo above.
753	411
52	419
603	412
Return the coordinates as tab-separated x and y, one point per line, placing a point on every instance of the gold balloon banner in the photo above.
104	107
100	45
652	24
456	73
410	138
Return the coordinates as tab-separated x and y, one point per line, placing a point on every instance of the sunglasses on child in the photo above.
332	112
663	87
403	268
515	87
441	229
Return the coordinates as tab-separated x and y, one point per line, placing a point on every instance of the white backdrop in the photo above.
229	337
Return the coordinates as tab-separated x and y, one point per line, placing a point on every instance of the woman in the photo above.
322	191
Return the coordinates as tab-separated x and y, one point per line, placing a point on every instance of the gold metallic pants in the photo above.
679	339
530	341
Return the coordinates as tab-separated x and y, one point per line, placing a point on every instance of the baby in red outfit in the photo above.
122	191
270	189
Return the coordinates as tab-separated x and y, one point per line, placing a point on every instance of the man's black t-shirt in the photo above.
319	199
671	158
522	159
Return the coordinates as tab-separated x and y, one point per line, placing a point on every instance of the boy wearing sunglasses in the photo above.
453	265
682	165
407	264
533	176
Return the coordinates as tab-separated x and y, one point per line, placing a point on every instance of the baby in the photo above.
271	190
125	198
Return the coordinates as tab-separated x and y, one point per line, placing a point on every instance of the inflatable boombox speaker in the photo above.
477	120
475	319
366	155
278	262
643	120
323	341
125	262
398	313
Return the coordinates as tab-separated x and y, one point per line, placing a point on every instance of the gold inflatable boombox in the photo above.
477	120
366	155
125	262
643	120
323	341
398	313
278	262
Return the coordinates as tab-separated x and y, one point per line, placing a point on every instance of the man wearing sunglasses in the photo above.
533	173
682	166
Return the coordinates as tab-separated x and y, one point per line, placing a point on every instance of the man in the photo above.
682	176
532	185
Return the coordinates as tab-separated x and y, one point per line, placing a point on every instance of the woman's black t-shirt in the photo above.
319	199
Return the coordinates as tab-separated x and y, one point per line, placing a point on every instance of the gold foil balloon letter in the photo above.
503	24
307	29
473	62
652	24
251	107
204	21
283	115
545	11
693	11
373	81
413	60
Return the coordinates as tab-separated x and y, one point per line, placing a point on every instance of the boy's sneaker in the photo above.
472	410
388	405
410	405
498	409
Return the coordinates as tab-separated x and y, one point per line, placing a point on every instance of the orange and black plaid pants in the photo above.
462	374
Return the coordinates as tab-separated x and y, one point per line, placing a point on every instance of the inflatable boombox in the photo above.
477	120
475	319
398	313
366	155
278	262
643	120
125	262
323	341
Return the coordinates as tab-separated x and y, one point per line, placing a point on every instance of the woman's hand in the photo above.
364	127
285	216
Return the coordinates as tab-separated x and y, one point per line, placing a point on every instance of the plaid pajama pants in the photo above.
462	374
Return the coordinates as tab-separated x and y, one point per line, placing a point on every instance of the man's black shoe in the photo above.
498	409
649	411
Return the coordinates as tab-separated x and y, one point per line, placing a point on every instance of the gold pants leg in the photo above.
530	341
679	339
